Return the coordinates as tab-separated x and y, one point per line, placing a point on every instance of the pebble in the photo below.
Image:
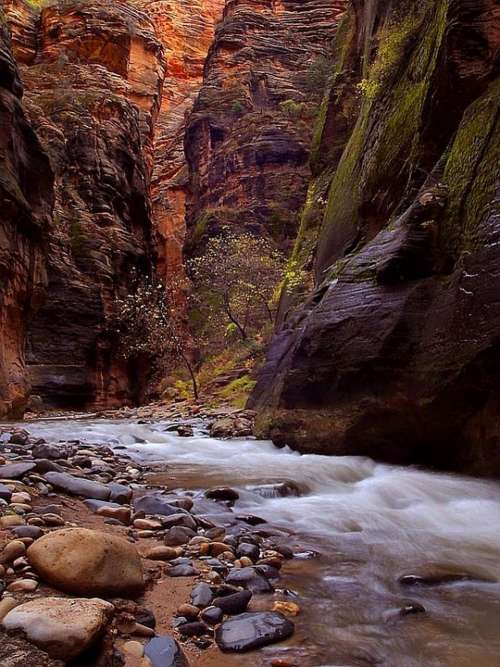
212	615
135	649
290	608
21	497
53	520
11	520
6	605
147	524
201	595
122	514
189	611
23	585
182	571
162	553
13	550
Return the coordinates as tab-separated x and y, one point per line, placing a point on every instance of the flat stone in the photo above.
28	531
201	595
78	486
178	535
179	519
253	630
236	603
164	651
182	571
64	627
87	562
155	504
95	505
120	493
16	470
248	578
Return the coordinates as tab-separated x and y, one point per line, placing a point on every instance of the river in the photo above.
358	526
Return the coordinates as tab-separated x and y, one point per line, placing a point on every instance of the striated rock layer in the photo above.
93	74
25	206
186	29
396	353
247	140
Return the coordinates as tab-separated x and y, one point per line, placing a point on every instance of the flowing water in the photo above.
367	524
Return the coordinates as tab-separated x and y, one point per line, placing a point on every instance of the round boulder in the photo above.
87	562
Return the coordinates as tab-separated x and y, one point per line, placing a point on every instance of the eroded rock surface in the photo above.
394	354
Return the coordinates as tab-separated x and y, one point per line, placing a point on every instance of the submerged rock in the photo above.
248	578
253	630
64	627
87	562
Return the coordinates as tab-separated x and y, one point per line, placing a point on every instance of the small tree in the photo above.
151	320
236	277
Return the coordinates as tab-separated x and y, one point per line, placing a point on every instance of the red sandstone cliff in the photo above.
26	200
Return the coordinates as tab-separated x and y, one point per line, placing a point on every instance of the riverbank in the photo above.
185	541
392	566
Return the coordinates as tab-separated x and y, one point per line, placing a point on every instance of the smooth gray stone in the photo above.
16	470
182	571
253	630
248	578
78	486
164	651
201	595
155	504
119	493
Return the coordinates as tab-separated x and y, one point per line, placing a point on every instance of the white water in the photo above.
371	523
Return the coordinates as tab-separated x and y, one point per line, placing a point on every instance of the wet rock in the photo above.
222	428
180	519
87	562
249	550
184	430
178	535
163	651
201	595
78	486
253	630
5	493
251	519
155	504
145	617
20	437
212	615
222	493
28	531
16	470
45	450
410	609
439	579
45	465
236	603
188	611
268	571
291	608
182	571
120	493
249	579
277	490
63	627
160	553
193	629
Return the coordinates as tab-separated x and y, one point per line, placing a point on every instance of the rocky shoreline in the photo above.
99	566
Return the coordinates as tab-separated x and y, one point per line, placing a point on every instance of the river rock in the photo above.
160	553
78	486
155	504
178	535
120	493
235	603
202	595
16	470
44	450
163	651
64	627
179	519
222	493
212	615
185	430
182	571
253	630
249	550
248	578
222	428
46	465
5	493
87	562
28	531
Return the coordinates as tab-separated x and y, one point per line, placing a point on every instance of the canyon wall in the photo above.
395	354
248	138
107	86
26	200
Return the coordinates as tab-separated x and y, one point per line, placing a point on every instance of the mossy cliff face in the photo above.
395	353
25	207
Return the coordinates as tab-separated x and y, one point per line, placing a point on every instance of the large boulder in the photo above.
87	562
63	627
